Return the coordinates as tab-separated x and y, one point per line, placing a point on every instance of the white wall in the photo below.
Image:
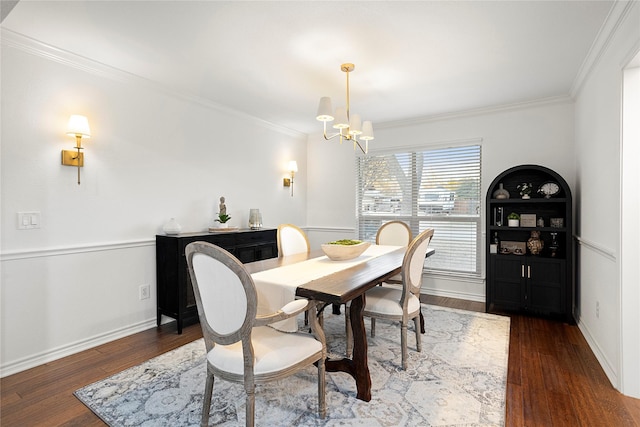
536	133
630	250
599	198
153	155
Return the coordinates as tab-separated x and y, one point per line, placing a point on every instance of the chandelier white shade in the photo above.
350	126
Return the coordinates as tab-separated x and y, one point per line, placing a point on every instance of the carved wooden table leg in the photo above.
358	366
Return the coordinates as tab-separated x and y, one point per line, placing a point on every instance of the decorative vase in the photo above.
255	219
172	227
501	193
534	244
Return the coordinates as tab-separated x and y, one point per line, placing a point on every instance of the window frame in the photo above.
470	269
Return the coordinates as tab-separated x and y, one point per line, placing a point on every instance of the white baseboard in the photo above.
453	294
609	371
67	350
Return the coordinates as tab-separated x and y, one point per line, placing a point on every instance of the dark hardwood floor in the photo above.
554	378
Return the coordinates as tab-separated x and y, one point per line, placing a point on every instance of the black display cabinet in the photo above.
521	277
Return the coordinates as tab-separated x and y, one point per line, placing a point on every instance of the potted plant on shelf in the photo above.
223	218
525	190
513	219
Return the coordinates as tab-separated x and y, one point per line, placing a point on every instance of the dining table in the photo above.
314	276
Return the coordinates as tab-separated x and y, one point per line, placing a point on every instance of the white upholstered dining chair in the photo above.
291	240
394	233
240	346
399	304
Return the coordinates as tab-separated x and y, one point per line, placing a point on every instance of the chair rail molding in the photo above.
74	249
596	247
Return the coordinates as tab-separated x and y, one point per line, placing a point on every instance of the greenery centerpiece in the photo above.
344	249
347	242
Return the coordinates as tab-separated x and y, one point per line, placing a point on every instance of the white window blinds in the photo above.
437	189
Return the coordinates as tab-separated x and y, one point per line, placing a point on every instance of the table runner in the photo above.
277	287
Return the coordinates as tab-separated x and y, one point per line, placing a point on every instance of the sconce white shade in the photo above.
342	122
325	110
367	131
78	125
355	125
293	166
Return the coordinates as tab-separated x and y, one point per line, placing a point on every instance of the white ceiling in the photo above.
275	59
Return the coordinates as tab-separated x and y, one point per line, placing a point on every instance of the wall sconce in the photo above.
79	127
288	182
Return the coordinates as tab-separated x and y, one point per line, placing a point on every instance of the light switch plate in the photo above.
28	220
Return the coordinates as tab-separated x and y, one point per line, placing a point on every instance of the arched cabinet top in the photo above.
534	174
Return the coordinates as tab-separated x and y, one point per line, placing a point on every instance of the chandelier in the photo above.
349	125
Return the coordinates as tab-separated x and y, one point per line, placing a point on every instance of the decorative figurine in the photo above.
222	208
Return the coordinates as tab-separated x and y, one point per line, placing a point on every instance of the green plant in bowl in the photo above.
513	220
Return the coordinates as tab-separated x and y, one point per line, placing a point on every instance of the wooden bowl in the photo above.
344	252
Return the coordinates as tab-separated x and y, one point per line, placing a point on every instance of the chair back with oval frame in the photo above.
394	233
401	304
291	240
240	346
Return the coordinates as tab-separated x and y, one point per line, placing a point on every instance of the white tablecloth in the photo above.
277	287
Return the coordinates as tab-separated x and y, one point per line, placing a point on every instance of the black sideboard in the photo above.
175	296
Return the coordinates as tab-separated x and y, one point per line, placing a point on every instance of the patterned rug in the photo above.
459	379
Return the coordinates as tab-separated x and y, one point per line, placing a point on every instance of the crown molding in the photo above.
38	48
618	13
565	99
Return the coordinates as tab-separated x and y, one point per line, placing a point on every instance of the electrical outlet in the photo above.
145	292
598	309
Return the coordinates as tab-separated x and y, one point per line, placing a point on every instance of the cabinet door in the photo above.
269	250
246	253
507	281
545	278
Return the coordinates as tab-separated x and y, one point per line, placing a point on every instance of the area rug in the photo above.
459	379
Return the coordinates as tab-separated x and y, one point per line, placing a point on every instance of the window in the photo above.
438	188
